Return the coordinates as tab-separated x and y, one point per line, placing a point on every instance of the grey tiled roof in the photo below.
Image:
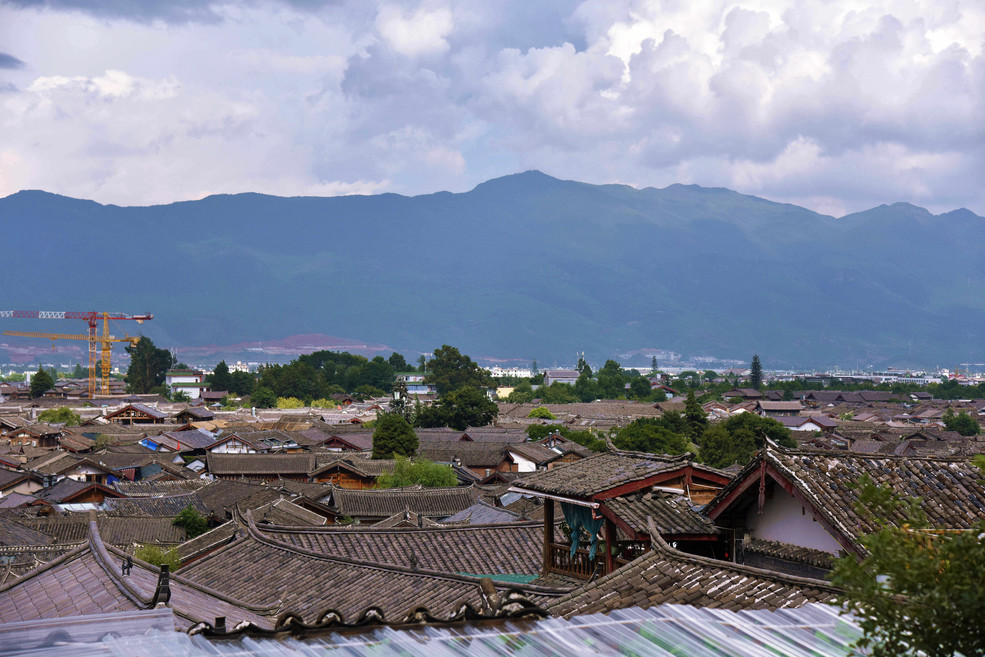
483	513
430	502
88	580
667	576
16	532
601	472
951	488
156	488
160	507
260	464
504	549
473	455
262	571
74	528
672	515
788	552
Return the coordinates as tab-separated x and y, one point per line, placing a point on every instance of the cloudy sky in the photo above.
837	105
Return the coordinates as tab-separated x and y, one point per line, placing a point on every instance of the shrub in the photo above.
193	522
541	412
157	556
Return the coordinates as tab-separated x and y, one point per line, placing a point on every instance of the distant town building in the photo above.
191	382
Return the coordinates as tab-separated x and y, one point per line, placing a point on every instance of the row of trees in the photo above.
719	445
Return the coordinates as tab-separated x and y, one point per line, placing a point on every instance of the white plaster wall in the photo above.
522	464
785	519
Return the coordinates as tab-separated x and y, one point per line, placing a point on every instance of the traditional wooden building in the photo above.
137	414
614	493
795	510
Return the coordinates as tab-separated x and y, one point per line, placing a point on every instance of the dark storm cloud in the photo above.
10	62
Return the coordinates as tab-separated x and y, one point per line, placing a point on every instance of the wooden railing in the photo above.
578	566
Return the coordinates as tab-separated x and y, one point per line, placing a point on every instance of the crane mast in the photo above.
98	344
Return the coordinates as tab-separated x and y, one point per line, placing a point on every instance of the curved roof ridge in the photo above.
71	554
660	545
372	529
258	535
416	488
101	555
195	585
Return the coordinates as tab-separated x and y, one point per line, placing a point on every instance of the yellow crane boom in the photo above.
92	319
105	341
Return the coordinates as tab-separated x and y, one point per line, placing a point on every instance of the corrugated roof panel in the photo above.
814	630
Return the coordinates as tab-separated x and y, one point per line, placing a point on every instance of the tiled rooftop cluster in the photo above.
298	531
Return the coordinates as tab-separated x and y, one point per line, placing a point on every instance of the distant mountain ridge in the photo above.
521	267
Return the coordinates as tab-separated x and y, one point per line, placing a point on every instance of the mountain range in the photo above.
520	268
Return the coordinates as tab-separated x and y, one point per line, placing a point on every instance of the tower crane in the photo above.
97	343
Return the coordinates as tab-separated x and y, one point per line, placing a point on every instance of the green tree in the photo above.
585	388
557	393
542	413
640	387
916	591
41	383
79	372
393	435
650	435
398	363
533	368
60	415
583	367
452	370
221	379
523	393
717	447
263	397
422	364
155	555
193	522
756	373
148	365
697	420
747	433
289	402
463	408
583	438
961	422
653	364
410	472
612	383
241	383
180	396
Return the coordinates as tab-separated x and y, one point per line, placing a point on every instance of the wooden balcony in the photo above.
579	566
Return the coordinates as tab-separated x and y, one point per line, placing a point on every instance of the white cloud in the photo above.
423	32
839	103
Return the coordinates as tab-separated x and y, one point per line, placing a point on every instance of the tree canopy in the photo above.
148	365
451	370
263	397
746	433
917	591
655	435
60	415
221	379
463	408
41	383
961	422
410	472
393	435
756	372
193	522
